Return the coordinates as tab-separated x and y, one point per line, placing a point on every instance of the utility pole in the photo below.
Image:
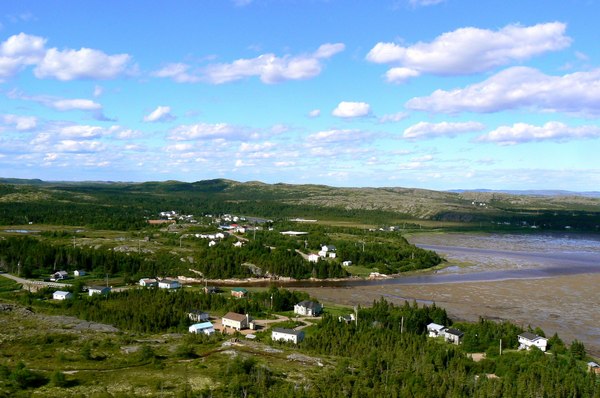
402	326
500	346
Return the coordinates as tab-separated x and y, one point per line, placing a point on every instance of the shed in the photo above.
61	295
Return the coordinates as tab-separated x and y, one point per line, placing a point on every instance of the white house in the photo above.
60	275
453	335
280	334
346	318
148	282
528	340
308	308
346	263
211	243
169	284
435	330
198	316
313	258
60	295
204	327
328	251
98	290
79	272
239	243
236	321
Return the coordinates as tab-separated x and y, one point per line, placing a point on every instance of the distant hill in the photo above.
287	200
589	194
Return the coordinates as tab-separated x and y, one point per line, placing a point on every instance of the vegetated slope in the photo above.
110	201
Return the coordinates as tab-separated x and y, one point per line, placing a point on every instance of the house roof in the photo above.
593	365
435	326
198	312
239	289
530	336
288	331
61	293
454	332
309	304
203	325
235	316
169	281
99	288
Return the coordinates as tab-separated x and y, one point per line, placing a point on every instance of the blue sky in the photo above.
439	94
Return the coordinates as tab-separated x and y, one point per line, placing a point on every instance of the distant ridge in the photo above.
543	192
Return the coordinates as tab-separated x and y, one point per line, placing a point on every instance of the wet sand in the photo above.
565	304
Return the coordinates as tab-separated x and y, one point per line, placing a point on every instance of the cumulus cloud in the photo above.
347	109
85	63
443	129
208	131
18	51
160	114
469	50
552	131
520	87
20	123
269	68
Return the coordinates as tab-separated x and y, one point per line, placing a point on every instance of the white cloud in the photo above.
160	114
207	131
268	67
21	123
265	146
19	51
346	109
178	72
98	91
74	104
443	129
79	146
552	131
336	136
400	74
85	63
470	50
519	87
393	117
82	131
314	113
425	3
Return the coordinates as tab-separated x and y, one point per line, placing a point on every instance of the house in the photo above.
289	335
236	321
198	316
239	243
204	328
308	308
211	243
148	282
435	330
98	290
346	318
60	295
239	292
453	335
528	340
346	263
60	275
593	367
169	284
313	258
79	272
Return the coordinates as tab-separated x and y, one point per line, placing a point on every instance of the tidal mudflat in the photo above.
562	302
